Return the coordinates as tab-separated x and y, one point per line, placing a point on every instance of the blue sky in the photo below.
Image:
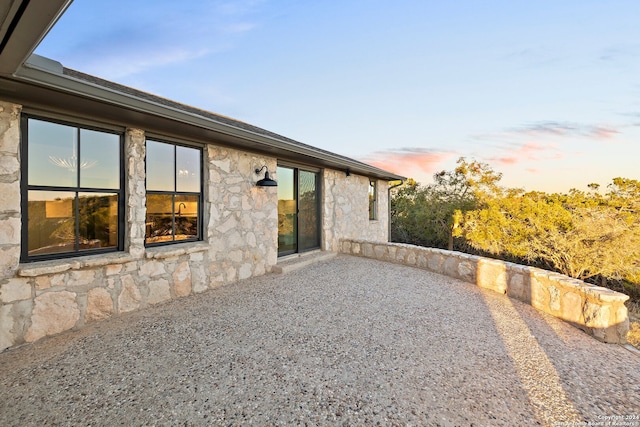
547	92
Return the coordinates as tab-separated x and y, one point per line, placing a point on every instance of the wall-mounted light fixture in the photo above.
347	172
266	181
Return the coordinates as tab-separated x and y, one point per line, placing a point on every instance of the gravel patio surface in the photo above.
350	341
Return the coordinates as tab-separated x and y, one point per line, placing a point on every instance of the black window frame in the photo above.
25	188
200	194
373	201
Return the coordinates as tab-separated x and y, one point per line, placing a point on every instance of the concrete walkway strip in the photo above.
346	341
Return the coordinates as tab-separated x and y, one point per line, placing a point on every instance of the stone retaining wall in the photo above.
598	311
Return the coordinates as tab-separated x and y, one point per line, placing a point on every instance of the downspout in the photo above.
389	208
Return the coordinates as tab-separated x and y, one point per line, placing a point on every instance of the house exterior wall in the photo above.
346	210
240	238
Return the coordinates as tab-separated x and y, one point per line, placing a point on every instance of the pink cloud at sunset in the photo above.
410	162
530	151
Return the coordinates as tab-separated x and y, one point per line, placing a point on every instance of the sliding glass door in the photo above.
298	210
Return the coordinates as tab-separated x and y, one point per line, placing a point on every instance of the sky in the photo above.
546	92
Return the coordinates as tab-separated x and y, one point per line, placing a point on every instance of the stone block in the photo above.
435	262
539	291
42	283
9	259
516	286
182	280
554	299
244	272
466	271
10	196
571	304
596	316
53	312
113	269
199	278
152	268
492	274
9	165
81	278
130	297
99	305
7	334
392	250
421	262
367	250
412	257
15	290
159	291
10	231
450	266
357	248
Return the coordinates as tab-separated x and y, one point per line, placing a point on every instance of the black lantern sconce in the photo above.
266	181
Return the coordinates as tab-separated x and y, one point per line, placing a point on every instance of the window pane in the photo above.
52	154
51	222
372	200
99	159
186	209
287	211
98	220
159	218
160	166
188	165
308	233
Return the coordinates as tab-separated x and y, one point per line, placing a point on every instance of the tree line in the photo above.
592	235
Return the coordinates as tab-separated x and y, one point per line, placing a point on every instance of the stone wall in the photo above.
45	298
598	311
346	210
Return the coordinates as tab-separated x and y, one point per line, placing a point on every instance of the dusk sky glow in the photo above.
546	92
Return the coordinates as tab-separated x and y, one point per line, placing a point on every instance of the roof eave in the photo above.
23	24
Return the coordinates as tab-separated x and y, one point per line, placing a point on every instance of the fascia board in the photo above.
37	18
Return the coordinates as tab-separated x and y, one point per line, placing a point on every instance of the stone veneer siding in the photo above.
240	227
346	210
45	298
598	311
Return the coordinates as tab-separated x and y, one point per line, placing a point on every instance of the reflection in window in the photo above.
173	193
373	199
73	197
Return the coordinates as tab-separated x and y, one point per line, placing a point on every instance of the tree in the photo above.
579	234
430	215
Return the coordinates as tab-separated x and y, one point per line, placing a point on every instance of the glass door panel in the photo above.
308	212
287	212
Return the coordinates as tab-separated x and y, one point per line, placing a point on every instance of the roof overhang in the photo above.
41	84
23	24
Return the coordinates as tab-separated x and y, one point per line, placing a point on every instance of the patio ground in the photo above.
349	341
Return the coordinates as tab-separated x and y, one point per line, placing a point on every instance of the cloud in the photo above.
99	39
116	67
527	152
410	160
568	129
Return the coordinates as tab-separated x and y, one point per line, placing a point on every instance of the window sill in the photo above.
41	268
174	250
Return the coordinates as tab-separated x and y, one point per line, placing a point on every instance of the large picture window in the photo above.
73	194
174	195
